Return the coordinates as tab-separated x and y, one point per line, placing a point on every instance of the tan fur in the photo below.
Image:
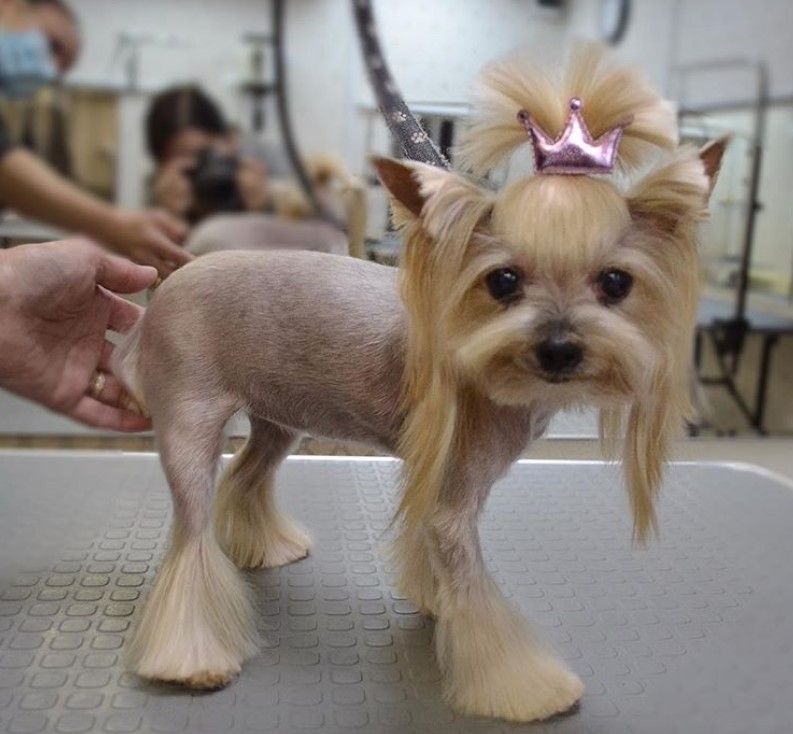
198	622
126	367
563	230
336	188
612	94
430	396
290	201
501	669
434	368
248	524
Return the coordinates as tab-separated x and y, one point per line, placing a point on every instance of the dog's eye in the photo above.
614	285
504	284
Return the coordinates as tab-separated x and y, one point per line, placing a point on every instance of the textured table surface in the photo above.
691	635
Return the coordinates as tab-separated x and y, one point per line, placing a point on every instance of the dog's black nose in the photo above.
559	356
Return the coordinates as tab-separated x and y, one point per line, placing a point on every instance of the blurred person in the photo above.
201	165
57	301
242	193
39	41
57	21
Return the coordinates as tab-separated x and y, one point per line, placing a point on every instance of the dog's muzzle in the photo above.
558	356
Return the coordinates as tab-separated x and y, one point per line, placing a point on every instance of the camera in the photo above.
214	180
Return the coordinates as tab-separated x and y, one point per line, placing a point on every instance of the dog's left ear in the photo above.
711	156
677	193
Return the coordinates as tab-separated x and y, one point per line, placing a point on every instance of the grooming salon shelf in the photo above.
691	635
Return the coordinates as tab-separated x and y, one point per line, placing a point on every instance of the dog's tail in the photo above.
125	364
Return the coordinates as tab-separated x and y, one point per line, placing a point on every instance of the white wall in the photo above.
427	43
435	48
190	40
664	34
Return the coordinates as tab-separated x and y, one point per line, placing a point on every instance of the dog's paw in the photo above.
276	544
291	543
198	626
533	691
201	681
422	597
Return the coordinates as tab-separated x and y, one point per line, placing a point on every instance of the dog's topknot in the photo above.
612	93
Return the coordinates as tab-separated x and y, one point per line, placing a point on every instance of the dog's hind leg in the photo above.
248	523
492	664
197	627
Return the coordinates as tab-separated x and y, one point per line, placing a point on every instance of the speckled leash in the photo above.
415	142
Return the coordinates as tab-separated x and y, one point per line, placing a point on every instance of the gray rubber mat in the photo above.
692	635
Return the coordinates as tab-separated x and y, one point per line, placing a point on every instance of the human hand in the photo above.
252	184
148	238
172	189
57	300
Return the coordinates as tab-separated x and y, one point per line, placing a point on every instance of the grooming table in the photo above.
693	634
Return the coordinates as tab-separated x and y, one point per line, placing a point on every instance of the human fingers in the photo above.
96	414
166	256
107	389
253	164
122	276
172	227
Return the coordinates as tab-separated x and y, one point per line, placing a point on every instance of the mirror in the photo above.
93	127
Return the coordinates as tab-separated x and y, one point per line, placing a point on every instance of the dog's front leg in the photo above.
413	557
492	664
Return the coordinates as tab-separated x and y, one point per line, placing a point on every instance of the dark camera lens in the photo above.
214	179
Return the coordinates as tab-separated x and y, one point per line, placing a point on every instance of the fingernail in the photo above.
133	406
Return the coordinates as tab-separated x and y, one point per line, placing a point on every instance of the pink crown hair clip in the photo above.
574	152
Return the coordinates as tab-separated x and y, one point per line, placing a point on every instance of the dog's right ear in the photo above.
402	184
440	198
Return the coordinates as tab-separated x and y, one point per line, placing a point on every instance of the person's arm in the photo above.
5	142
28	185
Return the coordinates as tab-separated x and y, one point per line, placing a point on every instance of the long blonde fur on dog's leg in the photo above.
412	556
492	664
252	530
198	625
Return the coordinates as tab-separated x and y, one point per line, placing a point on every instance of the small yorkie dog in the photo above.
575	286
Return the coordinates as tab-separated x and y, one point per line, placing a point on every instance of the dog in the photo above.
575	286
